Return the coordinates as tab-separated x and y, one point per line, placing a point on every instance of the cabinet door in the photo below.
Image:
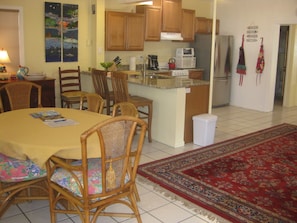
204	25
209	21
196	104
188	27
153	18
201	25
135	32
171	12
48	92
157	3
196	74
115	31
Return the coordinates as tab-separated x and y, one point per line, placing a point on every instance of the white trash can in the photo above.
204	126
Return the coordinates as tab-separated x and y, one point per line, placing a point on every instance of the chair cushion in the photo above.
14	170
63	178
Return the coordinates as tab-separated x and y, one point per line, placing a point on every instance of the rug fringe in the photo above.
199	210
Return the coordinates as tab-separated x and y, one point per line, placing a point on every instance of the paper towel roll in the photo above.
132	65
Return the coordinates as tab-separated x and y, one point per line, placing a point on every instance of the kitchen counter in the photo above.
175	101
162	79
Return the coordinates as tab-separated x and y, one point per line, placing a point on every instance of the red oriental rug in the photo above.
252	178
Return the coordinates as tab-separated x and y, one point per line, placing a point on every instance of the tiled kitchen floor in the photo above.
154	206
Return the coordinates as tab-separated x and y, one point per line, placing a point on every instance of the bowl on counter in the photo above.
35	77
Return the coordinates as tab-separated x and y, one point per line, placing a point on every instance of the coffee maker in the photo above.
153	62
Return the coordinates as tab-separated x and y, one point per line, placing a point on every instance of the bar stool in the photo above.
101	88
121	94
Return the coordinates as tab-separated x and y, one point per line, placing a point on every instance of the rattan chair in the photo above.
95	102
21	94
124	108
101	88
70	87
20	180
121	94
127	108
89	186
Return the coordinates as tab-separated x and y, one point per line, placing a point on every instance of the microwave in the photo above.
185	62
185	52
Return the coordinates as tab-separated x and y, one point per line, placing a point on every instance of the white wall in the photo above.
235	16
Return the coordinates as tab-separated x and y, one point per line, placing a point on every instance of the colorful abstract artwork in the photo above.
70	32
61	32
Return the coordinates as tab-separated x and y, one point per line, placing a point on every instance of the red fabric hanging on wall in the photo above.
241	68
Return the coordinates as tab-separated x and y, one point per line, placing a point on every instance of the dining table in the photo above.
23	135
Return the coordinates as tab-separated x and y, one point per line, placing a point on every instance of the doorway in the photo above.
281	65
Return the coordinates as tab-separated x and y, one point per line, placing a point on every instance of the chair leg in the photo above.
137	197
108	107
149	122
135	208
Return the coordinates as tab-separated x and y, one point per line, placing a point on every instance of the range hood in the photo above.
171	36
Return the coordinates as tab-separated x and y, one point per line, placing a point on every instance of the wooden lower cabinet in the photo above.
196	104
47	93
196	74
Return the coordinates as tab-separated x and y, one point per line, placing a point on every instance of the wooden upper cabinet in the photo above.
171	15
217	26
115	31
157	3
201	25
204	25
188	27
124	31
153	18
135	32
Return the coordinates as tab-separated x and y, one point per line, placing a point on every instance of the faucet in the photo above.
143	69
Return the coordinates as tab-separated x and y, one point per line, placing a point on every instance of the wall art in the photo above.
61	32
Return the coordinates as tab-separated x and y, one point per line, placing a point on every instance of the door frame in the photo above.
290	92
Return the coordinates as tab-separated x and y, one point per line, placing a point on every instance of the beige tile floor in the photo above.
156	207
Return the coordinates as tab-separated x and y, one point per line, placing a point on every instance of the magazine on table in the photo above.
49	116
53	118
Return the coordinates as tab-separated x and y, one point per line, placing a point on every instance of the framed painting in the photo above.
53	34
70	32
61	32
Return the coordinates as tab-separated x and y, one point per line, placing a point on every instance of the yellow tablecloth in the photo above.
23	136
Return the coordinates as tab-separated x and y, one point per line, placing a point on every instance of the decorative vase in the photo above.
22	72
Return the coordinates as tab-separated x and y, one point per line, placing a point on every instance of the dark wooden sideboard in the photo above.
47	94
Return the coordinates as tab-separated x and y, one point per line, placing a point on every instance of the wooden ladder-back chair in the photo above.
21	94
20	180
70	87
90	185
101	88
121	94
95	102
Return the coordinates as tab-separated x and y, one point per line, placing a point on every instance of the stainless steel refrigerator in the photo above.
222	65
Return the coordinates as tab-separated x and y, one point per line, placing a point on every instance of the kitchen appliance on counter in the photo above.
171	64
153	62
185	58
222	66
